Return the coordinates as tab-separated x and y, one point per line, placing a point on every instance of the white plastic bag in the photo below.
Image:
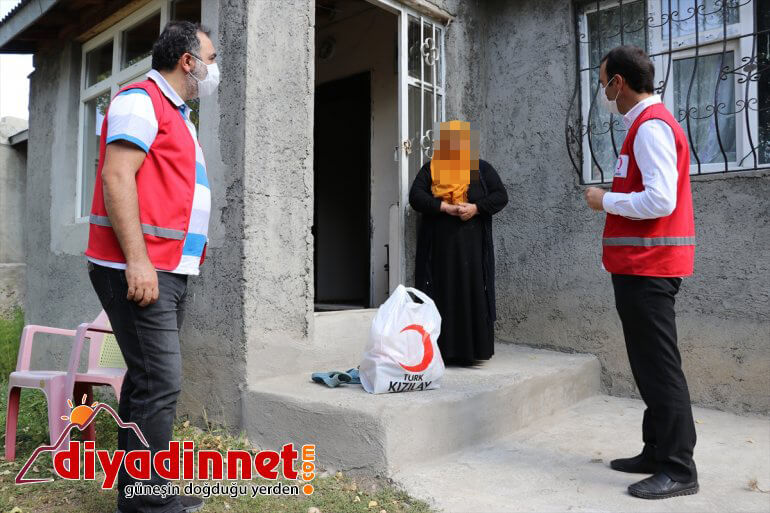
402	354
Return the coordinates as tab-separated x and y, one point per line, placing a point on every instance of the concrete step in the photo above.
561	463
338	338
342	330
384	433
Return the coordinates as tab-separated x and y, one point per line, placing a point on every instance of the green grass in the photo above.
337	493
10	331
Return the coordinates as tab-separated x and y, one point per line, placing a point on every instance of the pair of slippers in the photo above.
336	378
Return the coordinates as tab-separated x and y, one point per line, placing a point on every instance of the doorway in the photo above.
356	133
402	52
342	192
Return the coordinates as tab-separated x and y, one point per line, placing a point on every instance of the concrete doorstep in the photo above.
561	463
379	434
525	432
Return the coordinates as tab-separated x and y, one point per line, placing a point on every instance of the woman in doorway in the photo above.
457	194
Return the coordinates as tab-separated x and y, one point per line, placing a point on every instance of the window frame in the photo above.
587	99
668	98
738	37
114	82
430	86
435	84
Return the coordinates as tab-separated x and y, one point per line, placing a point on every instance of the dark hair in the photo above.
178	38
633	64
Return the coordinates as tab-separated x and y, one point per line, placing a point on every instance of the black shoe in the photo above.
641	464
660	486
191	503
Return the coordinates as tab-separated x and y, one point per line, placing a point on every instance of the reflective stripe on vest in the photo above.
157	231
649	241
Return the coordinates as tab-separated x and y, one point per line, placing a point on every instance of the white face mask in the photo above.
210	82
610	106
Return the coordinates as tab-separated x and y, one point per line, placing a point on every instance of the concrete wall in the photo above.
13	176
58	290
277	187
551	289
213	337
13	172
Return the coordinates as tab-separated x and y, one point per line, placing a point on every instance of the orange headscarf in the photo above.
455	155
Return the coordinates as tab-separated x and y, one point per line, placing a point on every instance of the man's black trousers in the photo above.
646	308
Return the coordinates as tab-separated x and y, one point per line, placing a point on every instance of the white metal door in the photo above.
421	75
421	102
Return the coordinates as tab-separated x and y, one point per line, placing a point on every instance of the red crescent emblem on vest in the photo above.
427	356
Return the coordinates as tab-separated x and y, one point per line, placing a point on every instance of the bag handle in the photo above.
422	295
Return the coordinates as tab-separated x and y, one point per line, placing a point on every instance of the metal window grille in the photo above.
426	91
712	70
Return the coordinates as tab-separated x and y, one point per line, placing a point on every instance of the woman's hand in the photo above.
467	210
448	208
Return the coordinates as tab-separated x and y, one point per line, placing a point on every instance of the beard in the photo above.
191	87
191	82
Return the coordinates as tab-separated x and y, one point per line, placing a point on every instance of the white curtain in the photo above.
703	112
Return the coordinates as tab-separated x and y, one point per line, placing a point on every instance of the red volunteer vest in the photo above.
165	184
665	246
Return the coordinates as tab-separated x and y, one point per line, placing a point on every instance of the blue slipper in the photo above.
355	379
331	379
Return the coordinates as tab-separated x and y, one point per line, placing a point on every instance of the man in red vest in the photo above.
148	234
649	246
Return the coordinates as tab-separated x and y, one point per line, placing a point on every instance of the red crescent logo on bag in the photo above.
427	356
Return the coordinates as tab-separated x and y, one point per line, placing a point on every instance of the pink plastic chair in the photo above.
105	367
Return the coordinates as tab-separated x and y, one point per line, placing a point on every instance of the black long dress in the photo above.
455	264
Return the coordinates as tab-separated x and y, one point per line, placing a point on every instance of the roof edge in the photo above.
21	17
19	137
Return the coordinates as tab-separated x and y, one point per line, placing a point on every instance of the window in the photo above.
138	40
99	64
711	69
94	111
115	58
700	126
